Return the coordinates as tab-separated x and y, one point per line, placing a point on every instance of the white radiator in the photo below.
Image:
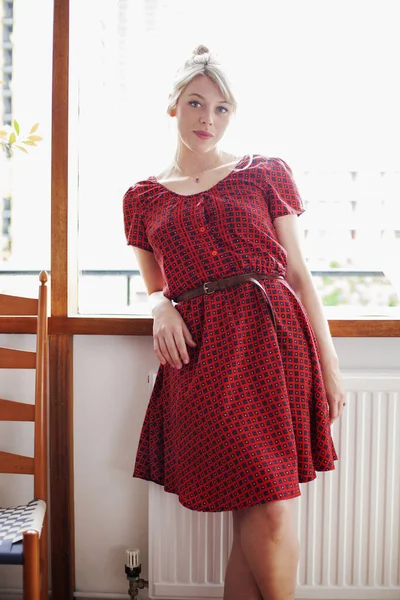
348	520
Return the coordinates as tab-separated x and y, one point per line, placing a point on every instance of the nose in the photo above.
206	118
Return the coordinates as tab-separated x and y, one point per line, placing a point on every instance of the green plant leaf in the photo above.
3	134
35	138
21	148
34	128
16	126
28	143
12	138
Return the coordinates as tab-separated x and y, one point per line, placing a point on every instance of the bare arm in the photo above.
300	280
170	332
152	277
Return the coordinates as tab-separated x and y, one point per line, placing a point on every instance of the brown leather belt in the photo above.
209	287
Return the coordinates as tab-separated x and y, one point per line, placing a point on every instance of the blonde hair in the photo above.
202	62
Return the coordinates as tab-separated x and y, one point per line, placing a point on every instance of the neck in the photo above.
190	163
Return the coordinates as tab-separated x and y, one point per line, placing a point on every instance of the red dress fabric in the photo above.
247	419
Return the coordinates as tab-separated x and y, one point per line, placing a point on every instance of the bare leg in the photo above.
239	580
269	541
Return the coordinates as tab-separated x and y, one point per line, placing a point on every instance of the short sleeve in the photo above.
135	231
283	195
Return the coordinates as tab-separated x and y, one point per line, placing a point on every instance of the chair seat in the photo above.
13	522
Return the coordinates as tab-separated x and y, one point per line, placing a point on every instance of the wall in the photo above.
111	392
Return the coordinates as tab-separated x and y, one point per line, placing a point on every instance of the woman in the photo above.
249	381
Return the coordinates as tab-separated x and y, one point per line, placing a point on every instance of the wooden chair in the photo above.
23	529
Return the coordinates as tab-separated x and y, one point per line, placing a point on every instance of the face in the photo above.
202	114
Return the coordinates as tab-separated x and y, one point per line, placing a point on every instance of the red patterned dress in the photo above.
247	419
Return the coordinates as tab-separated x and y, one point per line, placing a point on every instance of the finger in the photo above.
181	346
336	408
173	351
342	404
188	336
165	351
333	412
158	352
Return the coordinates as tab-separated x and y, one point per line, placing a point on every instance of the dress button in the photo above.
202	229
214	253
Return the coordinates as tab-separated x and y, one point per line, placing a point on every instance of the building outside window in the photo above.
25	73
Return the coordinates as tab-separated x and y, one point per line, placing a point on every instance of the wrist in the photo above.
157	302
329	362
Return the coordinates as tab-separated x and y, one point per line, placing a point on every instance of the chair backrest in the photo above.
18	411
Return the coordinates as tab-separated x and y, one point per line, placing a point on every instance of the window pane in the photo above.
25	62
329	109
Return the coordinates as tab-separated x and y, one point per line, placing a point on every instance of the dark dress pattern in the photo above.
247	419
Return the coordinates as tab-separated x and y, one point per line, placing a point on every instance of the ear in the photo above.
172	112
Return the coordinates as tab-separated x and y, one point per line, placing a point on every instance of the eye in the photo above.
223	110
191	102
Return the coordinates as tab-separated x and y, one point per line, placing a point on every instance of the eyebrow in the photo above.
202	97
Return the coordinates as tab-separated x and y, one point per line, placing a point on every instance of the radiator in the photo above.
348	520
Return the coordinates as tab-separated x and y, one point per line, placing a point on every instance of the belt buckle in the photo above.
206	290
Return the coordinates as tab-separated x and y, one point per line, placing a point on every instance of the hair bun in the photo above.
200	50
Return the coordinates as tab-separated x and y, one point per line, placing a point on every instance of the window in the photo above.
350	239
25	96
312	89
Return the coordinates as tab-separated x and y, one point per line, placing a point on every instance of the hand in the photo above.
170	335
334	392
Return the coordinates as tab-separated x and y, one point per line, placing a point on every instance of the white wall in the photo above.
111	392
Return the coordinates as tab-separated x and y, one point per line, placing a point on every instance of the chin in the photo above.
198	146
205	146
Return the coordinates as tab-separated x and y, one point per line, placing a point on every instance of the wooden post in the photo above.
31	568
61	468
60	350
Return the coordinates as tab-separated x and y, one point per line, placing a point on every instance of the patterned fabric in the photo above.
14	521
247	419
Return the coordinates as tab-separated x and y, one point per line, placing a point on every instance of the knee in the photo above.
272	519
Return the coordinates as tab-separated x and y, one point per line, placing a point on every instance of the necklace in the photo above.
195	177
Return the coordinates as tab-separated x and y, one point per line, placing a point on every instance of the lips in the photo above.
203	135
